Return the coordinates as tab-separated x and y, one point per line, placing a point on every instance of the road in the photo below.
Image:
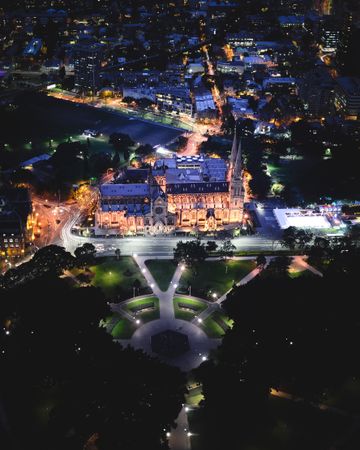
48	220
149	245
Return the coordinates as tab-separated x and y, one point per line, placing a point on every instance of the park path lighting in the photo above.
204	358
143	270
175	286
182	268
214	295
137	321
199	319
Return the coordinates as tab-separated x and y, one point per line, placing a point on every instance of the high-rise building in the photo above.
346	37
347	97
87	67
317	92
330	35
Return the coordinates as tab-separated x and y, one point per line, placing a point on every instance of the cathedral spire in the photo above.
234	148
238	162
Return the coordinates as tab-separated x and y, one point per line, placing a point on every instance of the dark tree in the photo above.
226	249
85	254
79	386
191	252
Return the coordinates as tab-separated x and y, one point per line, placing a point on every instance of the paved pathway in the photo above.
200	343
179	438
299	263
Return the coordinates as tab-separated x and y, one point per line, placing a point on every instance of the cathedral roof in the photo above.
125	190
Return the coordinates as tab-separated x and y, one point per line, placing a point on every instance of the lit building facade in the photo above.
15	232
179	193
87	65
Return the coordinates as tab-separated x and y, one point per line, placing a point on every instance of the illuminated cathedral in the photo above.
180	193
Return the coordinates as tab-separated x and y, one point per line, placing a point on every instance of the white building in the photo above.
300	218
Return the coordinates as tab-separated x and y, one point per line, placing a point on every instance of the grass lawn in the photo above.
214	277
184	314
162	270
123	329
211	325
301	273
194	397
116	277
288	171
146	315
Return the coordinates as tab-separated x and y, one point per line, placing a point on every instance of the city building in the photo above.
316	91
231	67
175	99
177	194
330	36
300	218
280	85
15	230
204	104
294	21
87	65
347	97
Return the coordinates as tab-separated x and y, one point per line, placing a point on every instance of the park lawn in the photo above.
113	275
106	321
123	329
296	273
188	315
211	326
215	276
288	171
147	315
194	397
162	270
302	273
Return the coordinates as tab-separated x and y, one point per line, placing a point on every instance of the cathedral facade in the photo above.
179	193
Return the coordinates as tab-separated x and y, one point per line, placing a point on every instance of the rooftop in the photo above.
125	190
